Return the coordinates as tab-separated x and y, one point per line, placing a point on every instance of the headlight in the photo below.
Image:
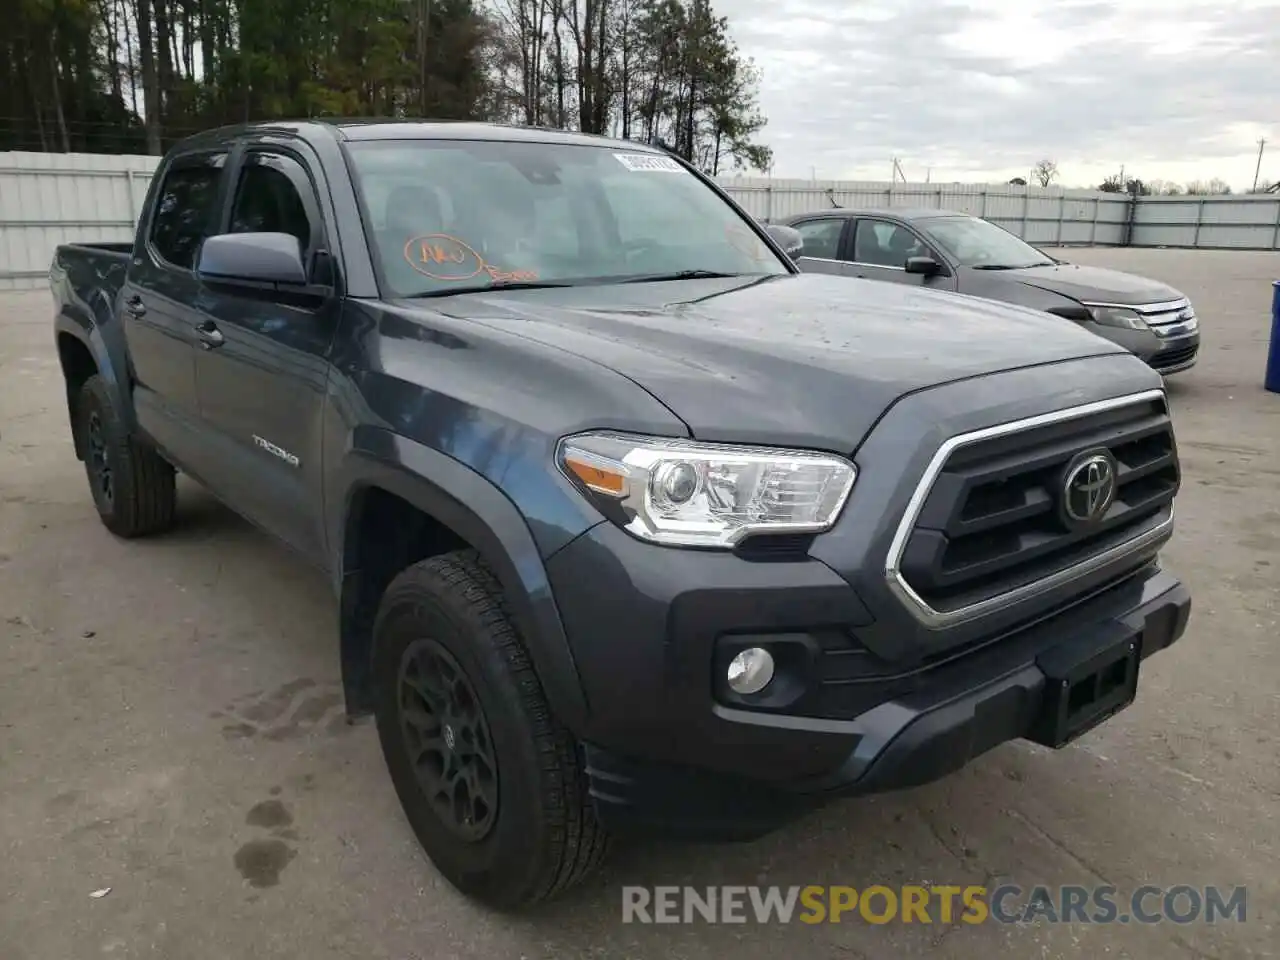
1118	317
682	493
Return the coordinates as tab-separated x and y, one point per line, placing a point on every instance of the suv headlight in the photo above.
1118	317
684	493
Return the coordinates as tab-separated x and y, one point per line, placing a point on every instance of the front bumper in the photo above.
866	696
1175	354
666	754
1165	355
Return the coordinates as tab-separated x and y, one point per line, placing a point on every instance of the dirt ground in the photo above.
171	728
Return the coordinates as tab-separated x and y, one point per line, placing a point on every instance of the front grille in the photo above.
1158	315
991	522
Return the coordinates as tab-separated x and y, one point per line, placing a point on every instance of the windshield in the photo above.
980	243
451	216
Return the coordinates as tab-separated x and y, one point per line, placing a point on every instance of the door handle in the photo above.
135	306
209	334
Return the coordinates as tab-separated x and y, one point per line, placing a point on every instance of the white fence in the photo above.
52	198
48	199
1047	216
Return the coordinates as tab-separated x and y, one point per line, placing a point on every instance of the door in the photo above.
155	302
822	242
262	366
881	248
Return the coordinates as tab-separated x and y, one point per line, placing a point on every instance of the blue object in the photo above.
1272	381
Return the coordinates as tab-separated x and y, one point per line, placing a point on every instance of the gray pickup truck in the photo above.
632	526
946	250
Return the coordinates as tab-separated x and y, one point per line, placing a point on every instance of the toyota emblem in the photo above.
1088	488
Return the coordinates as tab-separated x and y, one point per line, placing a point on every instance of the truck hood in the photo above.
800	360
1094	284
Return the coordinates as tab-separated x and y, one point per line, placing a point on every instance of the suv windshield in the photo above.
980	243
450	216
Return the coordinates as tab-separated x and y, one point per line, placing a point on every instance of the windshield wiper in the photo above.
682	275
488	288
1013	266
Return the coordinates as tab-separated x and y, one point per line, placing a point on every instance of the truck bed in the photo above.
86	278
118	248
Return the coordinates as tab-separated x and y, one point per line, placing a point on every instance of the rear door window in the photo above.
186	208
821	237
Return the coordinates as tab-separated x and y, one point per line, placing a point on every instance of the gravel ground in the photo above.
170	727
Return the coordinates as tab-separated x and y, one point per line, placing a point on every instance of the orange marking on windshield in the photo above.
441	256
508	276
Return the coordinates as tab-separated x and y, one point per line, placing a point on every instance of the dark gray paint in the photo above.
264	257
456	405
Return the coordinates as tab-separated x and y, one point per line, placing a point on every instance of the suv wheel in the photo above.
132	485
490	782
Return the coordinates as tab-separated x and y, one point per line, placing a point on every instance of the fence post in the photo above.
1131	219
1195	238
133	207
1093	227
983	214
768	203
1062	212
1275	234
1026	210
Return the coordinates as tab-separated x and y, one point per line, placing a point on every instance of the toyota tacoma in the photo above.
633	527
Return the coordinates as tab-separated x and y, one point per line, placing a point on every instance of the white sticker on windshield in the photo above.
648	163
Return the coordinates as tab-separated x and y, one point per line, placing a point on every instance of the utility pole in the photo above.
1262	144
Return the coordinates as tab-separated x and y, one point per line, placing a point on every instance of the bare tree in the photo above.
525	23
1208	188
1045	172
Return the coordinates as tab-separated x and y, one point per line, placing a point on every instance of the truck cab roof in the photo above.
378	128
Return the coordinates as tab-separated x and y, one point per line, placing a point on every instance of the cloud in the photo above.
1171	89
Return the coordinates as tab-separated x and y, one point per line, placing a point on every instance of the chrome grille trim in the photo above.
1161	314
937	619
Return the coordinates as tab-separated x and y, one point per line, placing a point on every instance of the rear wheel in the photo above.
133	486
491	783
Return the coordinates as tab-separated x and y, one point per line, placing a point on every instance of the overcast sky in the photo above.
980	90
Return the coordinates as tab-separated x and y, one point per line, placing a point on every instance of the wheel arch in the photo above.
465	510
83	353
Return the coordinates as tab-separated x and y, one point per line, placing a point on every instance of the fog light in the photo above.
750	671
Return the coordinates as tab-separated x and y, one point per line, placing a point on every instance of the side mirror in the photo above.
925	266
788	238
253	258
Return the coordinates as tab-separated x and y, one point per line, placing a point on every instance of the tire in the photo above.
450	674
133	487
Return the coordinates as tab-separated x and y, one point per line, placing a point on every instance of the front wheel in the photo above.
491	783
133	487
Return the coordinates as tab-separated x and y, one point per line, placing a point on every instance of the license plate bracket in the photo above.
1085	684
